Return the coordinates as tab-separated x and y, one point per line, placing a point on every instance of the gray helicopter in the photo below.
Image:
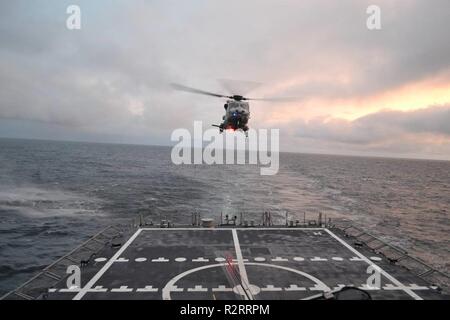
237	108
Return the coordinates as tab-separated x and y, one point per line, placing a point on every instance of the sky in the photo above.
358	91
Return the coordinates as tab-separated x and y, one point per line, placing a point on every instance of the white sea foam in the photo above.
38	202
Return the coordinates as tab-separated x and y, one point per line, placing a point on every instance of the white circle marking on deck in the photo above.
100	260
180	259
171	284
375	258
140	259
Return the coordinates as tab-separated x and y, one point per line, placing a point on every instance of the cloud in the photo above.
381	126
110	78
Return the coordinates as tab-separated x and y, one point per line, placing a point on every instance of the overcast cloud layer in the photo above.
383	92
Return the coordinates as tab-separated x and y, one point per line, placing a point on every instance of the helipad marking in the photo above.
299	259
116	256
375	258
412	286
236	260
319	287
100	260
71	289
160	259
339	287
294	287
364	286
140	259
242	271
106	266
356	259
318	259
197	289
122	289
390	286
147	289
171	284
270	287
384	273
222	288
181	259
175	289
201	259
98	289
279	259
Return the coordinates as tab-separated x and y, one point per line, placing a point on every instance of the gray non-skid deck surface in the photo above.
276	263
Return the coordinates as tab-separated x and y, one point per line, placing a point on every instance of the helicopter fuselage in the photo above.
237	114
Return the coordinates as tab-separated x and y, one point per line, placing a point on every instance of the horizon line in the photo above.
392	157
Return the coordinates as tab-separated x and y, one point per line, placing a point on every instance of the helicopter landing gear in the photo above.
219	126
246	131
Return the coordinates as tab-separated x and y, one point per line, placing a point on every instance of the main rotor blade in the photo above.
198	91
238	87
276	99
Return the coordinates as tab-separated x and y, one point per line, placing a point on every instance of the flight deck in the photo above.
235	262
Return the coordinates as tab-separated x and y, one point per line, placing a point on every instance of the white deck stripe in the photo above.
107	265
214	229
384	273
147	289
241	264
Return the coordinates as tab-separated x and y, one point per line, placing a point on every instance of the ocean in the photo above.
54	195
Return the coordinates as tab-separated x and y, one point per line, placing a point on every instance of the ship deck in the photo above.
239	263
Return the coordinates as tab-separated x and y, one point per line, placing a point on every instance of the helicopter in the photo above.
237	108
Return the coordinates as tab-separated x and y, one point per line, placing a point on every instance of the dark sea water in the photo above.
54	195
